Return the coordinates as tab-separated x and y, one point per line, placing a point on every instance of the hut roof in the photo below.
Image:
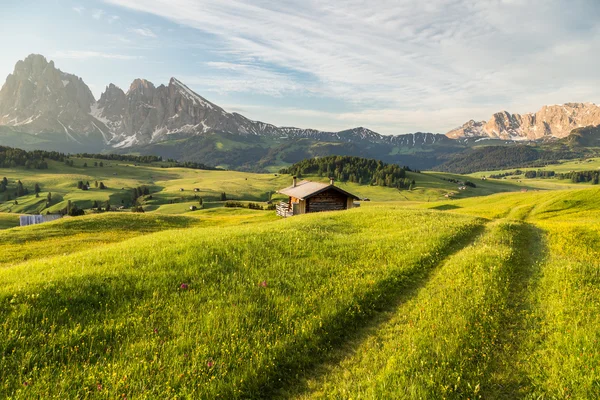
305	189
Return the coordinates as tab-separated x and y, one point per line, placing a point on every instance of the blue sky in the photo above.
394	66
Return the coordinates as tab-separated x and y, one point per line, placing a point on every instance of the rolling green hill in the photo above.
228	303
165	186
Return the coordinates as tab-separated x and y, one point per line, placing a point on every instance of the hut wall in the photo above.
329	200
350	203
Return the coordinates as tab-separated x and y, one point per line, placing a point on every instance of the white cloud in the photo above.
143	32
113	18
83	55
410	56
79	9
226	77
97	14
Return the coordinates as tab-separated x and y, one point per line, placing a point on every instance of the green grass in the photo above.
75	322
563	351
8	220
69	235
492	294
165	185
444	342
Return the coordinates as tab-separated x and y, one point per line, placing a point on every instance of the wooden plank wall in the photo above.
329	200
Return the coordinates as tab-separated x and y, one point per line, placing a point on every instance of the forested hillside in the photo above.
352	169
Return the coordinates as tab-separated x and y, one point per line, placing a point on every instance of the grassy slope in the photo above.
8	220
523	325
165	184
590	164
417	351
560	351
75	234
75	322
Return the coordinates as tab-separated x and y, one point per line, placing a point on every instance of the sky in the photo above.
393	66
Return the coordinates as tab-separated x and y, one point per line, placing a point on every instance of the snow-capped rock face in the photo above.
39	98
551	121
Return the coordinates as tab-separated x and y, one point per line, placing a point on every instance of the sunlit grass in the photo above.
259	302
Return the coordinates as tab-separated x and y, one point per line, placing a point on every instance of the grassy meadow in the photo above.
493	293
173	190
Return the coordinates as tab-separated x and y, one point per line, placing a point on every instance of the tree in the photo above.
20	189
84	165
80	185
5	181
49	197
95	163
101	164
95	205
102	185
37	188
200	201
223	196
96	183
107	206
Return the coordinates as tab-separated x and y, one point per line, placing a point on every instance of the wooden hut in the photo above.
308	197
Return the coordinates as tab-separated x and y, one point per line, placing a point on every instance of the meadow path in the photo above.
464	320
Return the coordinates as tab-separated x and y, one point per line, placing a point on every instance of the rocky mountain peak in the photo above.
550	121
40	98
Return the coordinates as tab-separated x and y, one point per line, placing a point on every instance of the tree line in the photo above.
11	158
353	169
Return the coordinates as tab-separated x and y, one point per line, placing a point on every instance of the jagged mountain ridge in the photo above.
39	98
554	121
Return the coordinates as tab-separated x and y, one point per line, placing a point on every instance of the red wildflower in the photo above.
184	286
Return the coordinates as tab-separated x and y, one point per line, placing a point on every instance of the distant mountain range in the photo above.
556	121
43	107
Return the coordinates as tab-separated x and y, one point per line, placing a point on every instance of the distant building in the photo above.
26	220
308	197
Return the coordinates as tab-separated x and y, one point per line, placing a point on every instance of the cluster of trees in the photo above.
353	169
573	176
462	183
251	206
501	157
86	185
11	158
539	174
121	157
20	189
505	174
581	176
3	185
139	192
193	165
99	207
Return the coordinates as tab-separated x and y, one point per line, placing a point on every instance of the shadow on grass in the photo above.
345	330
445	207
507	378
